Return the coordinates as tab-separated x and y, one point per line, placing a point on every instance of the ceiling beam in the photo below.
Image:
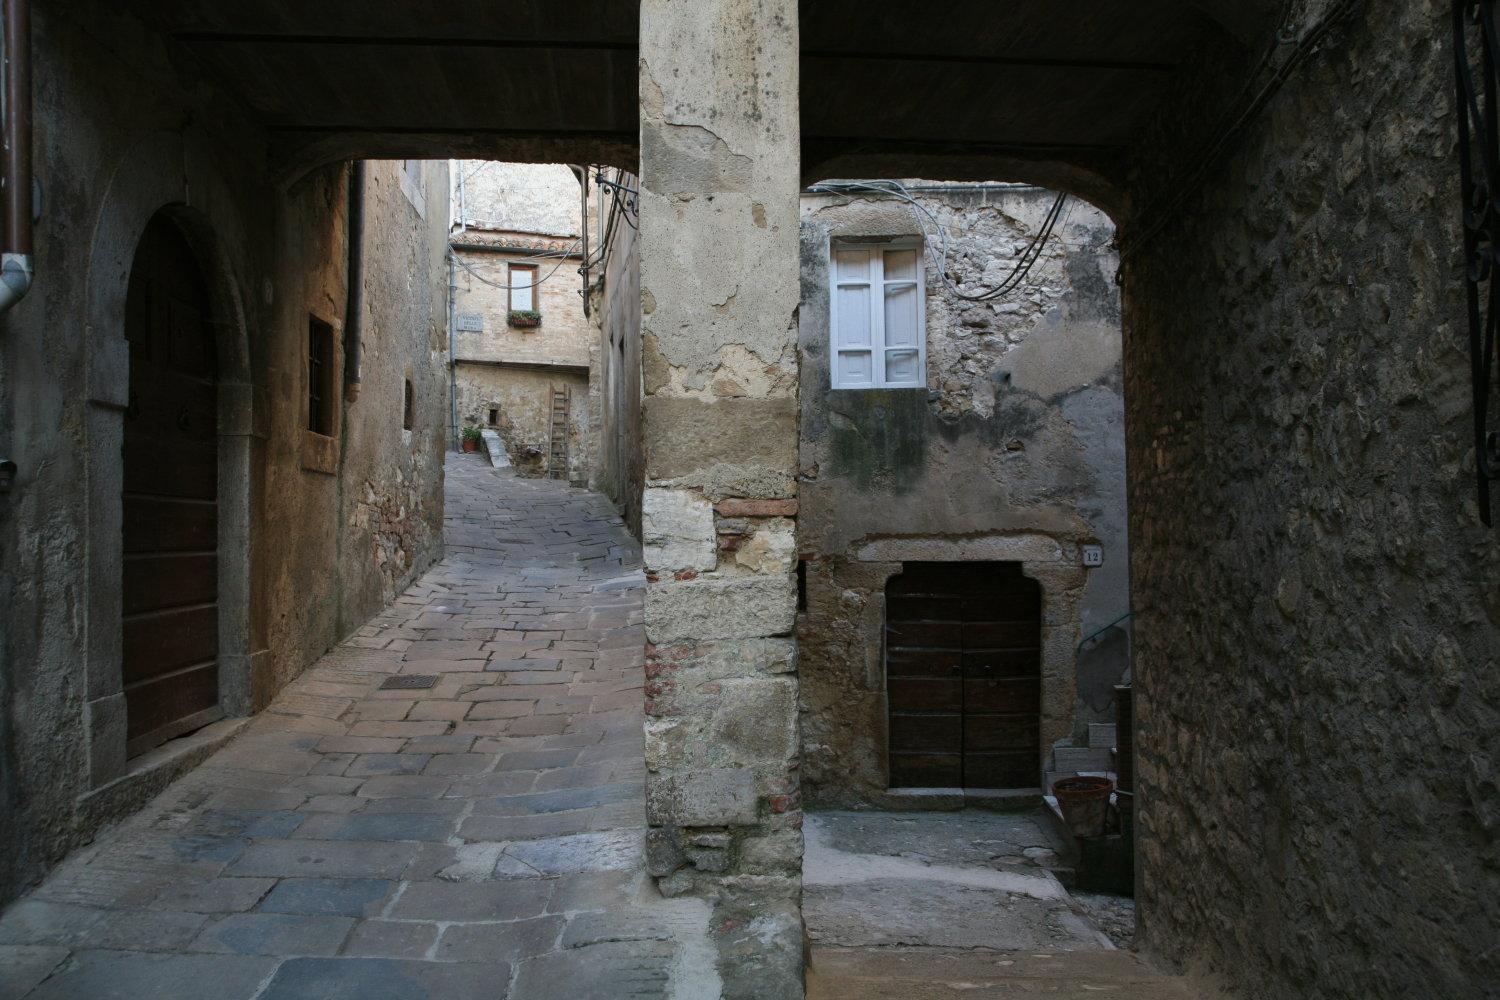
346	128
402	41
592	45
866	144
830	55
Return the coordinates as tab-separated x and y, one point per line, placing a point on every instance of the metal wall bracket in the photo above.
1476	36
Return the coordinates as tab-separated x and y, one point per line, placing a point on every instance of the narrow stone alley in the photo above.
449	804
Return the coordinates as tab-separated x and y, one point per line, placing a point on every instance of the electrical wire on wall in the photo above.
1244	109
548	255
622	205
1018	272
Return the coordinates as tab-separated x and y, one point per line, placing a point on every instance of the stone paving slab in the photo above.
482	838
938	974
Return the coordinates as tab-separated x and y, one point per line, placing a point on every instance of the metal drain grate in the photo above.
408	682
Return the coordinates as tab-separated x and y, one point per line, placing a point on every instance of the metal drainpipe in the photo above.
355	303
15	261
452	359
582	173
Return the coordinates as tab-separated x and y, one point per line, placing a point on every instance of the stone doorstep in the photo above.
953	799
153	771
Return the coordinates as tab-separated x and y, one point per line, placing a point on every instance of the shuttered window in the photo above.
878	328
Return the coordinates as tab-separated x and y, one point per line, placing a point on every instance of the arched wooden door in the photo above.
963	676
170	640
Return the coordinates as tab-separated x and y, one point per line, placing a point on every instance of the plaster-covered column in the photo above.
719	288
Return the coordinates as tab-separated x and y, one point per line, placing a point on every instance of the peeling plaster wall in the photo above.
123	131
1318	605
526	197
718	244
1014	452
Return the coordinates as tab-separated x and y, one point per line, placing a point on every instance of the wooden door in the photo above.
170	571
963	676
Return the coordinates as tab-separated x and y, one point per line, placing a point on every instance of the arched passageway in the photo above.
170	574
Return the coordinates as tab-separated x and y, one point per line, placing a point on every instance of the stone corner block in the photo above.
677	531
734	608
713	797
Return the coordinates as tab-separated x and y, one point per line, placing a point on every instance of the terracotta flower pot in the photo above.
470	444
1084	803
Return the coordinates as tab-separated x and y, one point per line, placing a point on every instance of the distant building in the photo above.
520	337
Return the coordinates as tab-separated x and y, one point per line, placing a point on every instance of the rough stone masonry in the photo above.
719	287
1317	686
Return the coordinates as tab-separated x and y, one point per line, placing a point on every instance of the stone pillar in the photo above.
719	190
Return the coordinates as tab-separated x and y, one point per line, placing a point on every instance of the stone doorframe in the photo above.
160	173
1055	566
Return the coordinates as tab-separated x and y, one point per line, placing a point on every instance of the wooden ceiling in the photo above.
902	80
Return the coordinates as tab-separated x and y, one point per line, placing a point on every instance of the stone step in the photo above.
1082	759
1102	735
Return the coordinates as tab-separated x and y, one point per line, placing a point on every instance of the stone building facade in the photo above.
1008	450
520	338
315	530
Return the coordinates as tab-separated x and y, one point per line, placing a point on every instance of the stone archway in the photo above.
169	505
152	183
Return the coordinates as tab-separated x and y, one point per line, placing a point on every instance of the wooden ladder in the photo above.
557	458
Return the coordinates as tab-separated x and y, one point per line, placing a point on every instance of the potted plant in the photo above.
523	319
1083	801
471	438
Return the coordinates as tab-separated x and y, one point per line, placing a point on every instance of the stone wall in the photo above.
1318	605
617	382
392	477
1013	452
304	552
521	399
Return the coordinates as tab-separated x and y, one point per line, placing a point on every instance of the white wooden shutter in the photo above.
853	343
902	321
520	288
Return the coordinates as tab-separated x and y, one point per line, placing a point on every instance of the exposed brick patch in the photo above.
756	508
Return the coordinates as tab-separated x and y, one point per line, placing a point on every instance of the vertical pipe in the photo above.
582	173
15	262
355	301
452	358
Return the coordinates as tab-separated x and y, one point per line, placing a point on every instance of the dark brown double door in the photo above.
169	584
963	676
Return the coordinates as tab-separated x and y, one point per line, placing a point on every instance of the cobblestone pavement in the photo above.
480	838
